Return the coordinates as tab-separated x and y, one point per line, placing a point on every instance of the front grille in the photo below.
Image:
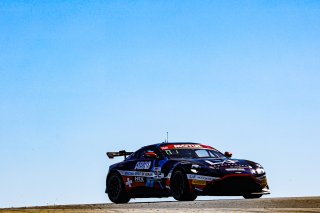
233	186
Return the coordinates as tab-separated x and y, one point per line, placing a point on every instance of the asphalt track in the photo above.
293	204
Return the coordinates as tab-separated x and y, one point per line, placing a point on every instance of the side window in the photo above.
160	155
140	154
151	149
135	155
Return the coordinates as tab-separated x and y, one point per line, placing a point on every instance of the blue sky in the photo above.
79	78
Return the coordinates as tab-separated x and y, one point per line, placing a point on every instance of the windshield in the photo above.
193	153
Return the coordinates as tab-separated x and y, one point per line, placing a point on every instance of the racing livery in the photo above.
184	171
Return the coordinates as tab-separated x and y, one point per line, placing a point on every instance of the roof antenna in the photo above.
167	137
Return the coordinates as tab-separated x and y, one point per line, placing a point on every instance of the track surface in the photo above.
297	204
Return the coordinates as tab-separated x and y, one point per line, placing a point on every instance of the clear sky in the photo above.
79	78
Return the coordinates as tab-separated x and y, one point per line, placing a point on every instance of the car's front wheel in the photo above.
252	196
116	189
180	187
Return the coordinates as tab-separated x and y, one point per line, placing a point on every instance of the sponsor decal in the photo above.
143	165
230	161
198	189
227	162
164	147
201	177
157	172
138	179
199	182
168	152
235	169
150	182
136	173
185	146
213	163
129	182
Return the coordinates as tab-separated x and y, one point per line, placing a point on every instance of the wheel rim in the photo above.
114	187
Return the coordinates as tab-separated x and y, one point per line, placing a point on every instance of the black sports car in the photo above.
184	171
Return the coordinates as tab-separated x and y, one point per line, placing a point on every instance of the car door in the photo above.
132	171
147	168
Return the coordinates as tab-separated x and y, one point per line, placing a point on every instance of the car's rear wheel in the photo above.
116	189
180	187
252	196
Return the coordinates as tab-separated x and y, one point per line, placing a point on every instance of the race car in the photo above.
183	170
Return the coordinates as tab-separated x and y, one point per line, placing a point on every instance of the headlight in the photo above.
195	168
258	170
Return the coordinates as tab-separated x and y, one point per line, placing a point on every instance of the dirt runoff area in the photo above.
293	204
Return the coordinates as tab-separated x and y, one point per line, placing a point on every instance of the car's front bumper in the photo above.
234	185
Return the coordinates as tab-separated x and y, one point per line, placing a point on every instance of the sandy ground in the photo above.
297	204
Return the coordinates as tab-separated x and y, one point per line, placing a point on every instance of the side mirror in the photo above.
152	155
228	154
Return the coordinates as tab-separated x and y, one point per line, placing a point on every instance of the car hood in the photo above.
220	166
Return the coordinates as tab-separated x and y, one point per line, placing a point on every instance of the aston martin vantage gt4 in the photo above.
183	171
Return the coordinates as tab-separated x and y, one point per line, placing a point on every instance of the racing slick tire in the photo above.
116	189
180	187
252	196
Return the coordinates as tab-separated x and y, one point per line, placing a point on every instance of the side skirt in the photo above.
145	192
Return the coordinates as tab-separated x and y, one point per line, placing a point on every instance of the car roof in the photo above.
158	145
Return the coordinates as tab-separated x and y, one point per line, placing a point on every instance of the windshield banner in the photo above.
185	146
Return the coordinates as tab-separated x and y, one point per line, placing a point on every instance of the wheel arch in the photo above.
180	167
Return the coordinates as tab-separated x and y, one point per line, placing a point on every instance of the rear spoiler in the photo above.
124	153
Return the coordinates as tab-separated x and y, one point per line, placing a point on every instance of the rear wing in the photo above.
124	153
